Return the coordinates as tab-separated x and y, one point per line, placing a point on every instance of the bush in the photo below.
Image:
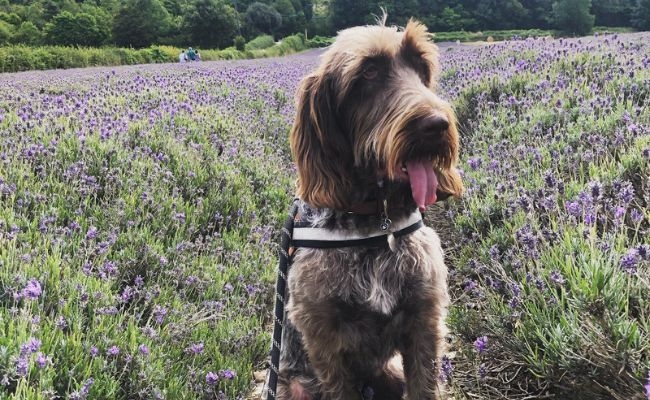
240	42
260	42
23	58
319	41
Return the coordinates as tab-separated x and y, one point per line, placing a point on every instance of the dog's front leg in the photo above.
334	375
422	349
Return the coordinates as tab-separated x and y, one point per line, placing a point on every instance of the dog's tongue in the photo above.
424	182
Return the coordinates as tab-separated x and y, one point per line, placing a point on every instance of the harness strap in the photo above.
307	236
374	241
296	235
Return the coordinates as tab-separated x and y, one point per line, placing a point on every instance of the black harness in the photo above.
287	245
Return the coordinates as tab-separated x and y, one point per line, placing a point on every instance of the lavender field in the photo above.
140	209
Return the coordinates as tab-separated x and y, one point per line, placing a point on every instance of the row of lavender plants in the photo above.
139	209
137	212
552	268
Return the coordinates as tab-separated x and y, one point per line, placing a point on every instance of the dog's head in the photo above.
370	112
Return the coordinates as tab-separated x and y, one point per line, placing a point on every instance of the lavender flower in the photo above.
557	278
211	378
227	374
32	290
480	344
144	350
195	348
41	360
113	351
446	369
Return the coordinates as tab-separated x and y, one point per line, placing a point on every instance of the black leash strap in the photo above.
280	286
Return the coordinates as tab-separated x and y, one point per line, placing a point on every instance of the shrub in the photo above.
240	42
260	42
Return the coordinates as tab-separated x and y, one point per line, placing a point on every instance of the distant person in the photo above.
198	56
191	54
182	57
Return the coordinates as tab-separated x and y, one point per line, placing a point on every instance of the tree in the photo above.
347	13
262	18
612	12
293	19
212	23
82	29
500	14
538	13
141	23
641	15
6	32
28	33
573	17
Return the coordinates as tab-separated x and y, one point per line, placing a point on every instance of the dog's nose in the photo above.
433	124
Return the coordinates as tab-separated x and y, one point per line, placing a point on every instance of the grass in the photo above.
140	207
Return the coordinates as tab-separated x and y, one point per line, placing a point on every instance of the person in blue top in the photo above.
191	54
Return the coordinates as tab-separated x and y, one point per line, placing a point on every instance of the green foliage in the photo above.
23	58
612	13
260	42
641	15
346	13
463	36
27	33
141	23
82	29
240	43
319	41
572	17
6	32
262	18
293	17
212	23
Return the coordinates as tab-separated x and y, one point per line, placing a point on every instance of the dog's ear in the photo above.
322	152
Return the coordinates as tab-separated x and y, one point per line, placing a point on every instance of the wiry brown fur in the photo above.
369	108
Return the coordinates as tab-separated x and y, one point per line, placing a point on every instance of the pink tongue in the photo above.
424	183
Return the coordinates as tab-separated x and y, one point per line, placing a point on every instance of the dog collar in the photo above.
323	238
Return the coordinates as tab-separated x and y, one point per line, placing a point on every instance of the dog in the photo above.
373	145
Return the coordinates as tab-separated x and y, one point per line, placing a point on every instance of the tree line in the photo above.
222	23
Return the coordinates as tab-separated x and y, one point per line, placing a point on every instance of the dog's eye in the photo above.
371	71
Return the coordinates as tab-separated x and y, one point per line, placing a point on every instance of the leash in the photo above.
280	287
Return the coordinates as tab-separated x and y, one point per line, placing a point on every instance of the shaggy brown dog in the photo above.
371	141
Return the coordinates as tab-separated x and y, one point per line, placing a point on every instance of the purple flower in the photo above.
32	290
211	378
159	314
227	374
474	163
647	386
629	261
195	348
22	366
446	369
82	393
94	351
92	233
481	344
113	351
144	350
41	360
557	278
31	346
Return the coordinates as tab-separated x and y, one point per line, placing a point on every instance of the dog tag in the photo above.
385	223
